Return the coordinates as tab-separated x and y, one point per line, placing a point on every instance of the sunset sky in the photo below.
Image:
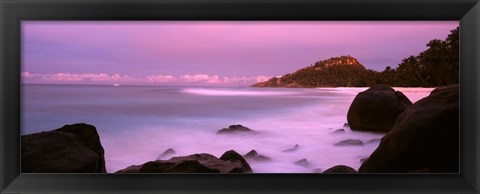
209	53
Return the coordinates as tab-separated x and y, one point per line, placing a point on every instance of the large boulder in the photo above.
340	169
235	157
71	149
349	142
376	109
233	129
425	136
230	162
443	88
255	156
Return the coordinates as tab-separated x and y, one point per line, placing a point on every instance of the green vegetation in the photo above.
436	66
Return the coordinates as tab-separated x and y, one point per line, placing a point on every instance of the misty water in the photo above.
137	124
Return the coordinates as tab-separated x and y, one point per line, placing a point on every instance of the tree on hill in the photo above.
436	66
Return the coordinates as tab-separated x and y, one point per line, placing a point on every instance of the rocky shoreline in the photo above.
420	138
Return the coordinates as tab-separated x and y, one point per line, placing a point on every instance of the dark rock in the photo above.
363	159
374	140
303	162
317	170
187	164
425	136
376	109
262	158
166	153
253	155
71	149
346	125
295	148
340	169
169	151
444	88
349	142
235	157
235	129
230	162
339	131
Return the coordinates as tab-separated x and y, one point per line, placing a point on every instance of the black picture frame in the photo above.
12	12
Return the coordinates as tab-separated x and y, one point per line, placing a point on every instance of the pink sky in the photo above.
209	53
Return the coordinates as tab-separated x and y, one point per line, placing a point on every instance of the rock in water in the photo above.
338	131
317	170
230	162
169	151
235	129
295	148
425	136
340	169
71	149
235	157
375	140
166	153
376	109
303	162
253	155
349	142
363	160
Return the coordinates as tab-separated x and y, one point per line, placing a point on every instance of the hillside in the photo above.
343	71
436	66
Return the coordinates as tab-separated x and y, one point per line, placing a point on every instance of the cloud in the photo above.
194	79
225	80
244	79
73	77
210	79
27	75
234	80
161	78
215	79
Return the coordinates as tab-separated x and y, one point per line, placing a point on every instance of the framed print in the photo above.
239	96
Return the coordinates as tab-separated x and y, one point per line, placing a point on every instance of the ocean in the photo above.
137	124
